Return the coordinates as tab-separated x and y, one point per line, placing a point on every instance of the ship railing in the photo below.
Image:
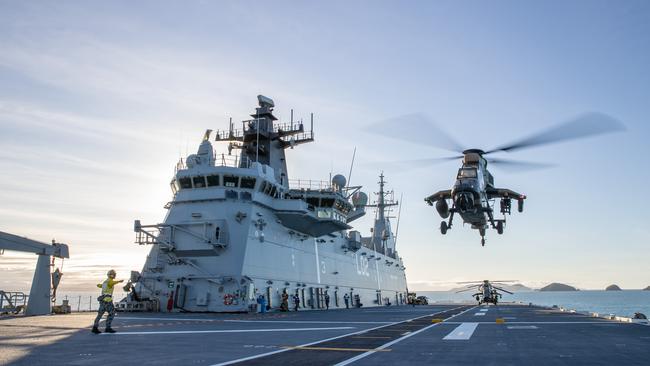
291	126
233	161
12	302
163	234
308	184
228	135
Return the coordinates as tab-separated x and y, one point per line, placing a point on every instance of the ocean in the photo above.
621	303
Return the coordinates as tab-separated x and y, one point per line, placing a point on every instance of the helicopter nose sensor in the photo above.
465	201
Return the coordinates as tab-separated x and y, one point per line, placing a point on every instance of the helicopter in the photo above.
487	292
474	194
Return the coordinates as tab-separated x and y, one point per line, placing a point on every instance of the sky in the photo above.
98	100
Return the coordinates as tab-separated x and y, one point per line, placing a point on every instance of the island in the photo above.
612	288
558	287
647	288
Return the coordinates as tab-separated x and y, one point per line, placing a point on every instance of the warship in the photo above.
239	228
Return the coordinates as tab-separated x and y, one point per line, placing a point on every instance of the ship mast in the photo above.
381	231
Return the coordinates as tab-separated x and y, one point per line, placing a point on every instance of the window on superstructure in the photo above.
247	182
185	183
174	186
230	181
199	182
327	202
213	180
273	190
268	188
313	201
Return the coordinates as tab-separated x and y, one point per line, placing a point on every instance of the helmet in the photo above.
111	272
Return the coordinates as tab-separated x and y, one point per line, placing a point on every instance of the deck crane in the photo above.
39	295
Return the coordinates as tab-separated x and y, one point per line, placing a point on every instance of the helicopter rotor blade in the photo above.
416	128
465	290
517	166
589	124
500	289
412	164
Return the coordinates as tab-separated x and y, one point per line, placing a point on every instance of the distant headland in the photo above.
612	288
558	287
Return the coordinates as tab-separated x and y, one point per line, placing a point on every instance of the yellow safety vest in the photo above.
107	289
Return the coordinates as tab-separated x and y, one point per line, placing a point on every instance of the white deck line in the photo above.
463	332
479	314
224	331
325	340
385	345
171	319
303	322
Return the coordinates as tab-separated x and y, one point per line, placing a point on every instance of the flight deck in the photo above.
506	334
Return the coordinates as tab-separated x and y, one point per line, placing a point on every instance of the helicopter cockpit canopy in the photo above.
464	173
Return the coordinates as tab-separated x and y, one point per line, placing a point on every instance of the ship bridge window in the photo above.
312	201
230	181
174	185
247	182
324	214
273	191
185	183
466	173
327	202
199	182
213	180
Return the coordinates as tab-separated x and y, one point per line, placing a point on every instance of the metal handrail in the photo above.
309	184
232	161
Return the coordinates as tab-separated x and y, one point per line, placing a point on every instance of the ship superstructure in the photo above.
238	227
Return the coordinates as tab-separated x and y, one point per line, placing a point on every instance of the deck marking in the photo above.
479	314
331	339
484	310
522	327
171	319
369	337
302	322
225	331
462	332
335	349
385	345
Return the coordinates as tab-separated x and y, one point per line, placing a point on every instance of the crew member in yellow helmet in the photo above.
106	302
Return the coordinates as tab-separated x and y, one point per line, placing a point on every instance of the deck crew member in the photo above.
106	302
327	301
346	298
262	301
285	301
296	302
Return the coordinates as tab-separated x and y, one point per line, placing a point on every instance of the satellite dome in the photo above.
359	199
192	160
339	181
